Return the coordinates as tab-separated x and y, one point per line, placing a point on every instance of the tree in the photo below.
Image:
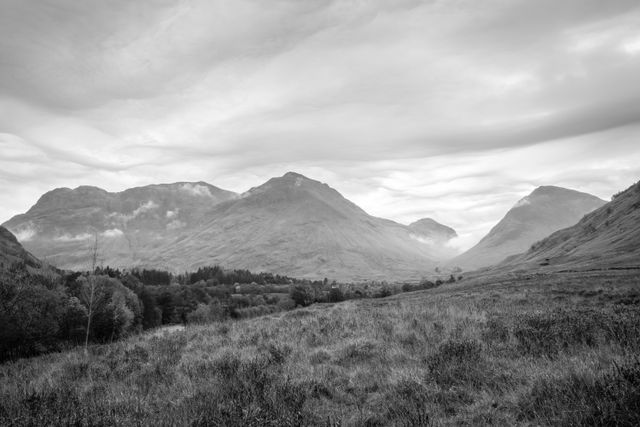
89	291
302	295
335	294
151	313
31	308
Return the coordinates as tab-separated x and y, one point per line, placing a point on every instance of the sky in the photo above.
446	109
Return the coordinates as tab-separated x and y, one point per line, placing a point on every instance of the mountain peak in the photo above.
431	228
292	174
605	237
554	191
547	209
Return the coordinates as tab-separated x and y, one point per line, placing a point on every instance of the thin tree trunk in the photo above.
92	287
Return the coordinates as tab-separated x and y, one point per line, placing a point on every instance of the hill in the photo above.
290	225
545	210
605	238
11	251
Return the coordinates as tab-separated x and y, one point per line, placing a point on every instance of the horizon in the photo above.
410	110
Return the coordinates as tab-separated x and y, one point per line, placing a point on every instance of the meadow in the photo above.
561	349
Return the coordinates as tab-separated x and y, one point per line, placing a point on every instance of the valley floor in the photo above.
537	350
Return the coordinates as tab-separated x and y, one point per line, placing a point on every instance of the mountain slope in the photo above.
12	251
301	227
289	225
62	225
545	210
607	237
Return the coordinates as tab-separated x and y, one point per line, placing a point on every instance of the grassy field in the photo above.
533	350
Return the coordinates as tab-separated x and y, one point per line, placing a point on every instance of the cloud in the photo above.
196	190
73	238
112	232
522	202
25	233
175	224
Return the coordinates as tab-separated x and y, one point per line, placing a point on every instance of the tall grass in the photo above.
547	353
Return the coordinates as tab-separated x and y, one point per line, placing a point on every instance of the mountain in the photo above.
303	228
430	229
607	237
545	210
12	251
290	225
62	225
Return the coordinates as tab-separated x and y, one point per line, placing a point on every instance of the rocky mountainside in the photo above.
12	251
607	237
545	210
289	225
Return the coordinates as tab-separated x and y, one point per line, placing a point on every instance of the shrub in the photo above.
548	333
408	404
495	331
247	392
584	399
457	363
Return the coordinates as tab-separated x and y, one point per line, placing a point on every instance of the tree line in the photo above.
51	310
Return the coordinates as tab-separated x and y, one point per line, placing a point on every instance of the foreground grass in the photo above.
559	350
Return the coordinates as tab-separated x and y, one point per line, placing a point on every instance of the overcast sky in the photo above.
446	109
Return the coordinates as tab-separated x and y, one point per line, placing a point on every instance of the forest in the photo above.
49	310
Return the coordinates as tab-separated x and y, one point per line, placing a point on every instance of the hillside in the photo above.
290	225
11	251
607	237
303	228
545	210
565	353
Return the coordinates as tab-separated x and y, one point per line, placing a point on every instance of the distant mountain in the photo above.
11	251
430	229
607	237
290	225
62	225
545	210
301	227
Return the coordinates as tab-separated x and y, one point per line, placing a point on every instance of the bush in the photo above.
248	392
548	333
583	399
457	363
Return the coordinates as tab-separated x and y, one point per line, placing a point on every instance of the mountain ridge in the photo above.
290	225
604	238
545	210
